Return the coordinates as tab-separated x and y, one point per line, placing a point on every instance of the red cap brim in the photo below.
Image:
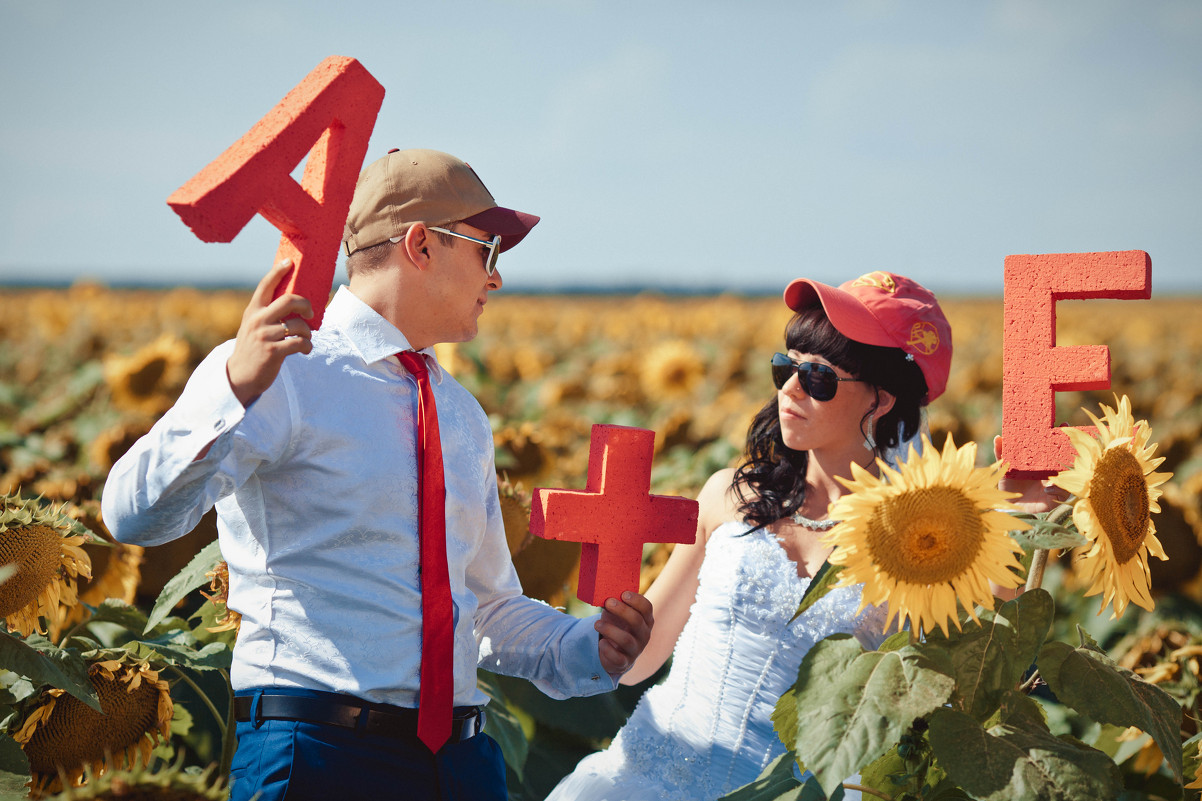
511	225
846	312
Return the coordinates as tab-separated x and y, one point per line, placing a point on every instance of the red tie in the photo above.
438	635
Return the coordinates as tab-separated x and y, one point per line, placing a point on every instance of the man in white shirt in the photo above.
311	464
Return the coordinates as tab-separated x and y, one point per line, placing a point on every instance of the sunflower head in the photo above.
159	783
45	545
927	536
672	370
62	736
1117	491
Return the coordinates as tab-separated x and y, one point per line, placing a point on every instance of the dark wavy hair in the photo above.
771	481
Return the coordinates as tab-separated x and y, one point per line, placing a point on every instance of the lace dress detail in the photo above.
707	729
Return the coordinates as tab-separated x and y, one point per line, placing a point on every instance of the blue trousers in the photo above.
297	761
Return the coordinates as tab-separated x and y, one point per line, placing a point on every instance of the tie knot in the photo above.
413	362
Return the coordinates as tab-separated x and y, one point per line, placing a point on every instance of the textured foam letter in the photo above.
1034	368
329	116
614	516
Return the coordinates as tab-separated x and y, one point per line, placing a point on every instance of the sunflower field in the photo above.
113	662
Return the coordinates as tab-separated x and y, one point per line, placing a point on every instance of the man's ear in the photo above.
417	245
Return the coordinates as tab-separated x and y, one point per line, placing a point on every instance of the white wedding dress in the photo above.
707	729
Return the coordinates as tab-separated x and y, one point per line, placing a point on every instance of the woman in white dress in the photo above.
862	361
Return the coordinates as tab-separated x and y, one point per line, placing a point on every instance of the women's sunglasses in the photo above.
819	380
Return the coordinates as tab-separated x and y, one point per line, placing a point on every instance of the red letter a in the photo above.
329	116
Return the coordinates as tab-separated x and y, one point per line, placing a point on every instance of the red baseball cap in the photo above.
886	309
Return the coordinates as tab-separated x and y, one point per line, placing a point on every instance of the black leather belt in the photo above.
352	713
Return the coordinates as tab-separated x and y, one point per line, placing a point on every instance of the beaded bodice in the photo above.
707	728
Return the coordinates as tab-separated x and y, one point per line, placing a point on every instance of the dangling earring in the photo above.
869	440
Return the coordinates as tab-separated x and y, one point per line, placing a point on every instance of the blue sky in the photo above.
716	145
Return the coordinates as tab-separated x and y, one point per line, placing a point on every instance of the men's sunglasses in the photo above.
494	247
819	380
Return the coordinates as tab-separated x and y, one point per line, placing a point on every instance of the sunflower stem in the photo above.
1039	559
866	790
229	741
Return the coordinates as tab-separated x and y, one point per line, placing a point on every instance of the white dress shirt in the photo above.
316	493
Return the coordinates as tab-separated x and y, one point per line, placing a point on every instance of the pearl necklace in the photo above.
814	525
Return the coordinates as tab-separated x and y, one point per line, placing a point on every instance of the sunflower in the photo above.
672	370
61	735
927	535
149	380
45	546
160	783
1116	494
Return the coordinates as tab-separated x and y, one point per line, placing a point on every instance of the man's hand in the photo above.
270	330
625	627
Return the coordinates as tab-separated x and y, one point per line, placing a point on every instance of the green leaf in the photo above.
113	610
895	641
775	783
991	658
885	772
190	578
502	724
1046	535
1091	683
852	705
822	583
14	769
1021	760
1190	756
42	662
214	656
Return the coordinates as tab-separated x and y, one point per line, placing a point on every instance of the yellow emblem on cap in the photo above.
924	338
877	279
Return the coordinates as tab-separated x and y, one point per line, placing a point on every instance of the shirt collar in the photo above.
373	337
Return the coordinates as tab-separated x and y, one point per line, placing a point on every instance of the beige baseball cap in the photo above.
409	186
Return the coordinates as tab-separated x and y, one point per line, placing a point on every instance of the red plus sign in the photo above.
615	515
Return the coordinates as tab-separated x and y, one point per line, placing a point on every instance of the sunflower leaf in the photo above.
214	656
114	610
990	658
43	662
822	583
1019	759
852	706
503	725
1047	535
14	768
190	578
777	782
1094	685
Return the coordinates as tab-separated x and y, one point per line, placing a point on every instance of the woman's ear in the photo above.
884	402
